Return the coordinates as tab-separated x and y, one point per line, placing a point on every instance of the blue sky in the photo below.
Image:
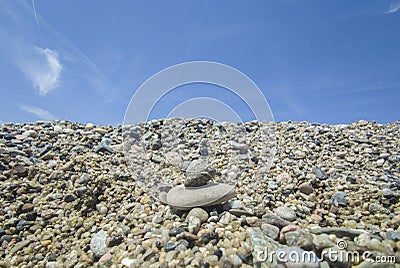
318	61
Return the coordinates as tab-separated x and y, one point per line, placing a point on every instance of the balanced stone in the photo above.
198	173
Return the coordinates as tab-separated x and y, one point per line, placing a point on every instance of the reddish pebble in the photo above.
285	229
105	257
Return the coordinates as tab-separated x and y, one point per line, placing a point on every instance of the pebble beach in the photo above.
70	197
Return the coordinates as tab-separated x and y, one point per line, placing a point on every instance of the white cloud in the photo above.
43	68
39	112
394	8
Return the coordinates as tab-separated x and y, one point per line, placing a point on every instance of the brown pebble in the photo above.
46	243
306	188
27	207
253	221
188	236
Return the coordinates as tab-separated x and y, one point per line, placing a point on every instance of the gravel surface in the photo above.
70	198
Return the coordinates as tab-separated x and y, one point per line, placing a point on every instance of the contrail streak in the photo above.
34	11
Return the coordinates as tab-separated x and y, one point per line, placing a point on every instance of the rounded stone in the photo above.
69	197
306	188
199	213
27	207
286	213
270	230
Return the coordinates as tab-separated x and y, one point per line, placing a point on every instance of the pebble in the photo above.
319	173
300	238
114	240
27	207
175	231
275	220
69	198
53	264
322	241
395	236
194	224
235	260
102	209
284	230
236	204
388	193
83	179
273	185
174	158
207	195
306	188
199	213
81	191
270	230
225	218
198	173
286	213
338	231
105	146
340	199
171	255
169	246
239	146
212	260
98	244
20	245
127	262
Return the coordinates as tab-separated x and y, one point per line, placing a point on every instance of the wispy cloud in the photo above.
39	112
43	69
394	8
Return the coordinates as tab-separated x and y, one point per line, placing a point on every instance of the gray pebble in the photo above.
194	224
175	231
270	230
322	241
83	179
300	238
340	199
169	246
199	213
275	220
388	193
101	209
393	235
272	185
286	213
319	173
81	191
98	244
